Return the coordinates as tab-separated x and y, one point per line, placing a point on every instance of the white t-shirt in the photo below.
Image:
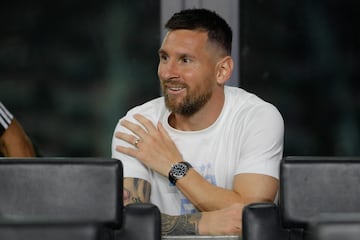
246	138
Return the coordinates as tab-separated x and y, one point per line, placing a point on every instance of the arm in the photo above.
159	152
138	190
15	143
221	208
226	221
247	188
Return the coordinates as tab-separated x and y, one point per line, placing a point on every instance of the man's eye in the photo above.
186	60
163	57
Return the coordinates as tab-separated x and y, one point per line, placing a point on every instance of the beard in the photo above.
190	104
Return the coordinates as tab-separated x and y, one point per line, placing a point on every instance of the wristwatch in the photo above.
178	171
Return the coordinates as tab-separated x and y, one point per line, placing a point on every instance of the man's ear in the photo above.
225	68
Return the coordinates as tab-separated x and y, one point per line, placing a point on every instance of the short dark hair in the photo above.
217	28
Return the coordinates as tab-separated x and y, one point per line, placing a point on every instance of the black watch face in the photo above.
179	170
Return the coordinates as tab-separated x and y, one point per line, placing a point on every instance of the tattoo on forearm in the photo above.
136	200
146	189
136	191
180	225
126	195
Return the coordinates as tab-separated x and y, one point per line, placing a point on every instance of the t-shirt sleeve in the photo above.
262	143
131	166
5	118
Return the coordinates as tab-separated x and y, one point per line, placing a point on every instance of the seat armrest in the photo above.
261	221
140	221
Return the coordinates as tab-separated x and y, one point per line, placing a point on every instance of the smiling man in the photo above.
203	150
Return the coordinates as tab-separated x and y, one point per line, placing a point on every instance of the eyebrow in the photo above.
162	51
181	55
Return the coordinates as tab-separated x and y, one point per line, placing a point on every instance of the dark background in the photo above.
70	69
304	57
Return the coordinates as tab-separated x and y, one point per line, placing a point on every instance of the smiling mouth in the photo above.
175	89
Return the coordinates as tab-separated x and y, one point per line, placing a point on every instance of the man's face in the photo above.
186	71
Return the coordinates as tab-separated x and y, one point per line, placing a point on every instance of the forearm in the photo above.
247	188
180	225
15	143
204	195
222	222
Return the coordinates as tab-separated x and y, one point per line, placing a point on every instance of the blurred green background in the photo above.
70	69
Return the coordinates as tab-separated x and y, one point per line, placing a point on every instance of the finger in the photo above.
149	126
126	150
131	139
134	128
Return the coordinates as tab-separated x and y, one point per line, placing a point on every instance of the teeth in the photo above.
175	89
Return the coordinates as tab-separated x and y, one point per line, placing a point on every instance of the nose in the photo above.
168	70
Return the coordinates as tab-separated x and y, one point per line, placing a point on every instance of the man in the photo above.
13	140
204	150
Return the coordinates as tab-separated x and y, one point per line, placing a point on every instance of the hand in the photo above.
155	148
227	221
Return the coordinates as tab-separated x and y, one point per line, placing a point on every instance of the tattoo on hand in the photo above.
180	225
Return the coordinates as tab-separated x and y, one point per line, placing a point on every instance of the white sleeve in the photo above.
262	144
131	166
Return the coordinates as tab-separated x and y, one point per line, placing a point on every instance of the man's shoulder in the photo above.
243	102
151	109
241	97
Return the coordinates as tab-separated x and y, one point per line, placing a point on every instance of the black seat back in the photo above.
310	186
61	190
